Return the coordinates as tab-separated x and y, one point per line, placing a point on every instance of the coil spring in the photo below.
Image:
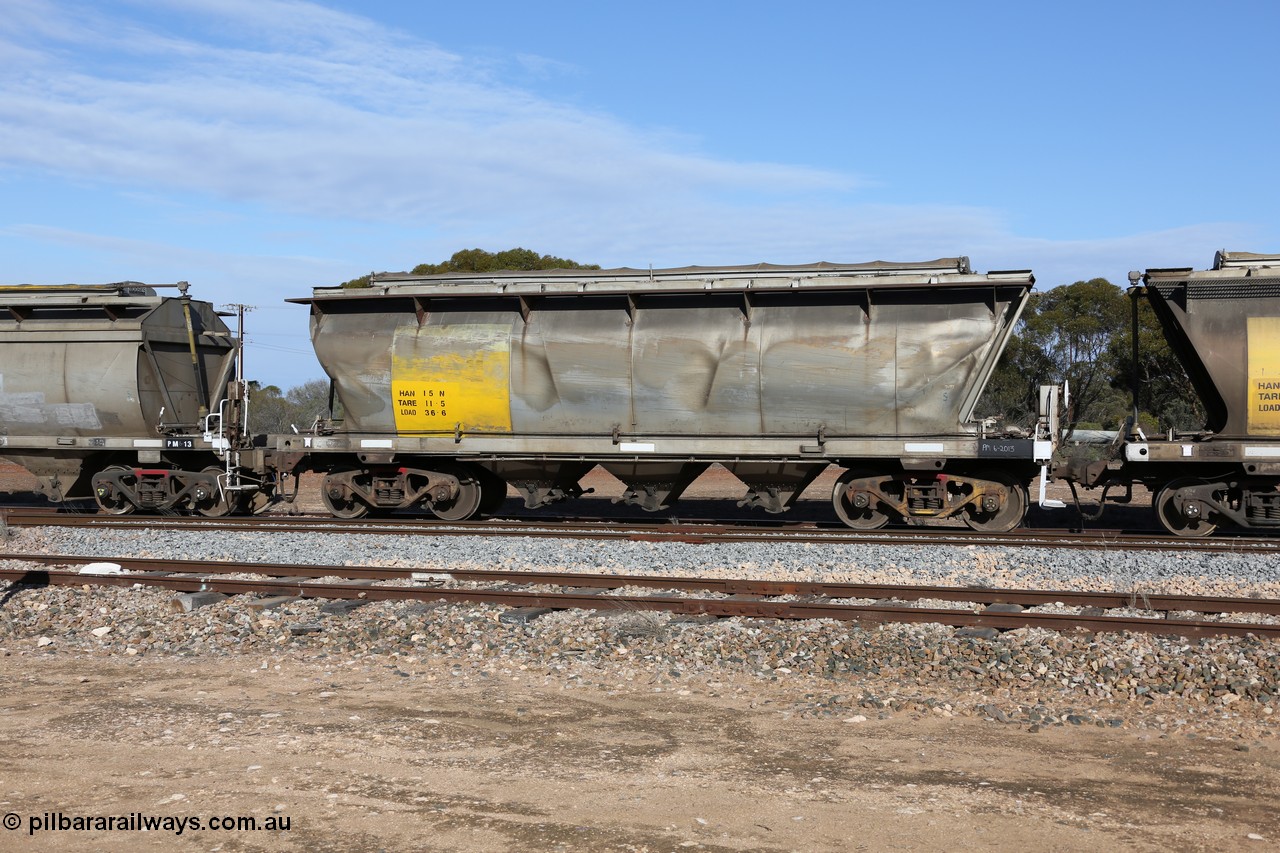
151	492
1264	509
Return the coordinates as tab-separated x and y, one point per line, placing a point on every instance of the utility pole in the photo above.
240	310
238	395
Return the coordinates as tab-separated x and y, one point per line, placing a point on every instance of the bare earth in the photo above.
409	756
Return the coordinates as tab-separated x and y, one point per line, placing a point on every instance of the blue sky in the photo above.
258	148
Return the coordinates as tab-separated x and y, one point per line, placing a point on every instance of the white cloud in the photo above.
853	233
158	254
315	111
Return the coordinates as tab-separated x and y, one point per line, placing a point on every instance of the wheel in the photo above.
1001	519
219	504
340	503
1171	517
869	517
467	502
112	501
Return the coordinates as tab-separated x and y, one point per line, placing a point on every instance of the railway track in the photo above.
976	607
673	530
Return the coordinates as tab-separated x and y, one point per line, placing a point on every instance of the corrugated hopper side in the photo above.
845	350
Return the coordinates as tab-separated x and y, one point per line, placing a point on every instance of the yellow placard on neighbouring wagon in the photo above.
1263	398
452	376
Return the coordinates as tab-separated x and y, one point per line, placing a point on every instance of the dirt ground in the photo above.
409	756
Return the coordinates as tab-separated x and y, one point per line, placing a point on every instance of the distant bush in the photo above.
274	411
478	260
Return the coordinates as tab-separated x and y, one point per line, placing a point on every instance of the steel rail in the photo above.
684	532
727	586
743	604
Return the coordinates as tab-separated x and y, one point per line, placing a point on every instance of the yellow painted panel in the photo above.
454	375
1263	398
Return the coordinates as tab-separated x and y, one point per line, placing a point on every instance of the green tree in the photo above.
1012	394
1167	399
274	411
478	260
1076	327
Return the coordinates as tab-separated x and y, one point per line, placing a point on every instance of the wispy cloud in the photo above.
325	113
297	107
139	253
804	232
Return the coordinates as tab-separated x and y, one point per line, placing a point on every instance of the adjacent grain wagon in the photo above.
1223	324
107	391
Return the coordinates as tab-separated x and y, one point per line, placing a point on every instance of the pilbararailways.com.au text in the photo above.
142	822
